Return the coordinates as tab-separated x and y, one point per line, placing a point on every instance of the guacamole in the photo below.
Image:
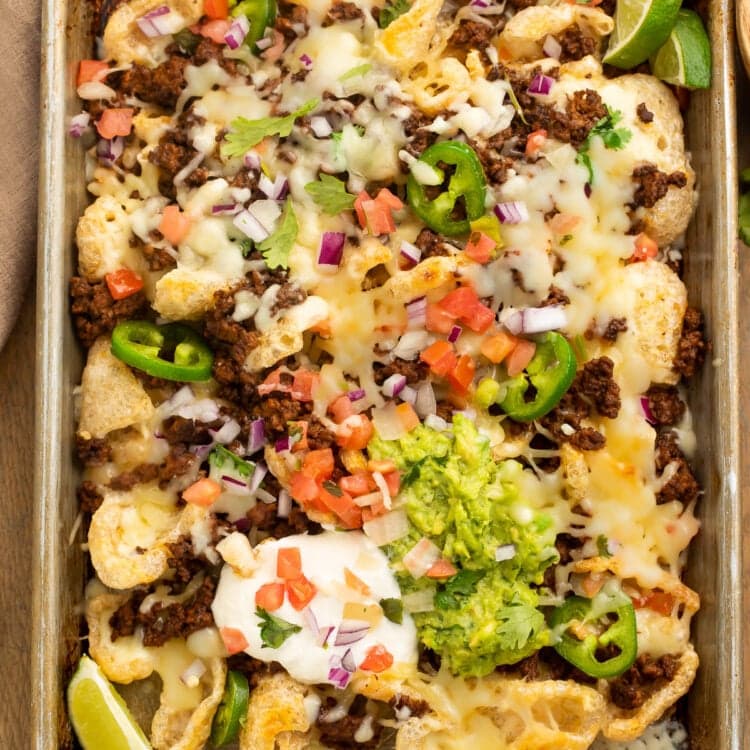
457	496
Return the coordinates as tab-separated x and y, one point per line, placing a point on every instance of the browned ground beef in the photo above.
631	690
339	735
288	16
614	328
564	544
596	382
161	85
692	346
413	370
644	113
264	517
342	11
93	451
288	296
177	429
652	184
575	44
182	560
95	313
556	296
416	706
430	243
177	462
124	619
254	669
89	497
157	258
495	164
667	408
473	34
683	486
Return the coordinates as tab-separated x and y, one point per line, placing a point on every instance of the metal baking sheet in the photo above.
714	712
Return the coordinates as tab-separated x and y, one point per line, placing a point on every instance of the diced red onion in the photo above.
228	432
306	60
411	252
351	631
505	552
285	504
311	621
324	635
250	226
356	395
260	472
92	90
478	4
410	344
339	677
552	47
79	124
236	484
242	524
191	676
226	208
434	422
331	249
426	403
379	480
409	395
387	528
347	661
237	31
422	600
266	185
320	126
421	557
454	334
541	84
283	444
201	451
587	190
537	319
257	436
647	413
157	22
416	311
512	212
251	160
109	151
393	385
371	498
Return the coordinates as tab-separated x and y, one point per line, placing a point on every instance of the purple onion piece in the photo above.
393	385
512	212
356	395
411	252
587	190
541	84
306	60
347	661
152	23
109	151
226	208
250	226
311	621
257	436
324	635
409	395
454	334
283	444
351	631
647	413
280	187
234	481
266	186
339	677
237	32
260	472
251	160
331	249
79	124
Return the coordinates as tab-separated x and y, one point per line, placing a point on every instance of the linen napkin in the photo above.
19	126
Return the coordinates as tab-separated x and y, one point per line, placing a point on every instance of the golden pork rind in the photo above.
111	396
188	294
123	40
524	34
276	715
127	659
130	532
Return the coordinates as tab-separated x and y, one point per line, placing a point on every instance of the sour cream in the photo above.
324	558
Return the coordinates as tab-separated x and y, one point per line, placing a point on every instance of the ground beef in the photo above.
556	296
521	4
414	128
338	735
692	346
652	184
644	113
101	11
575	44
93	451
564	544
177	462
161	85
342	11
96	313
416	706
473	34
158	258
495	164
178	620
430	243
140	475
254	669
614	328
319	436
124	619
178	429
288	16
264	517
667	408
597	383
288	296
630	690
582	111
414	370
682	486
89	497
182	560
207	50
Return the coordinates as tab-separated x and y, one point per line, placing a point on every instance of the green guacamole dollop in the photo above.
458	496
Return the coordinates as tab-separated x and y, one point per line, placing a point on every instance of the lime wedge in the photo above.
685	58
641	27
98	714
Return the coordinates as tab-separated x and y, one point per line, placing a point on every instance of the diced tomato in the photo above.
480	319
270	596
658	601
318	464
304	489
204	492
373	511
215	30
407	416
305	382
123	283
354	432
435	352
463	373
289	562
438	319
273	382
441	569
323	328
592	584
379	217
389	200
358	203
216	8
115	121
535	141
234	640
480	247
91	70
563	223
377	659
355	583
343	506
460	302
174	224
504	52
498	346
521	355
300	592
358	484
341	408
645	248
393	482
299	428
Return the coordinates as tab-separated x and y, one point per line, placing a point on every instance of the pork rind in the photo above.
130	532
187	294
126	659
524	34
111	396
123	40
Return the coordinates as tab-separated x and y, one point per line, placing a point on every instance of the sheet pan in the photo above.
715	714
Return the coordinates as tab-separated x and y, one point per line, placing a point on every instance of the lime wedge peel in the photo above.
641	27
685	58
98	713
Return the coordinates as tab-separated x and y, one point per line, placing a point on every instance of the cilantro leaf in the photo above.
276	248
245	134
220	457
391	11
602	546
463	583
330	194
358	70
393	609
332	488
614	138
273	630
518	623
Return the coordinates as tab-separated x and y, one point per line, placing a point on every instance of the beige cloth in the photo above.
19	125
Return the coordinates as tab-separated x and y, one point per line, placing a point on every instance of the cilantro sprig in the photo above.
330	194
244	133
518	623
463	583
391	11
273	630
276	247
614	138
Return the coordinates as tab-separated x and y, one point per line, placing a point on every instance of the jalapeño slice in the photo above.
232	711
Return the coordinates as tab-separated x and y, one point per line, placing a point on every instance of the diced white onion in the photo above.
387	528
421	557
411	343
419	601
